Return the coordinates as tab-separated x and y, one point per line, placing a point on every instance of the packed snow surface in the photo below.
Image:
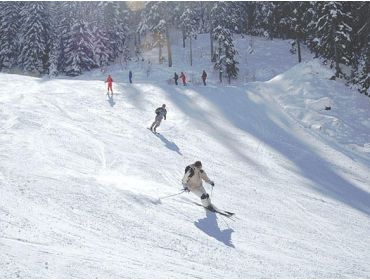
81	176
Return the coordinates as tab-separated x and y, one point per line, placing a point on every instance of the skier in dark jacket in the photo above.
176	77
130	76
204	77
161	113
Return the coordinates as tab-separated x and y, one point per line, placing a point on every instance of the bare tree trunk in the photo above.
337	69
160	52
299	51
183	37
169	51
211	38
191	52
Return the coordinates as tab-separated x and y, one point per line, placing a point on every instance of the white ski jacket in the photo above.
194	176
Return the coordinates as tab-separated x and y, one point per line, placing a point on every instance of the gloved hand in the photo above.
212	183
186	189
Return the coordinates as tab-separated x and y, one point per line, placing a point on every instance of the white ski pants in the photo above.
199	191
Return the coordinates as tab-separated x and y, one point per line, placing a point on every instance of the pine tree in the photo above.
189	25
56	17
80	51
266	19
156	16
364	71
298	23
334	33
101	49
115	27
226	52
361	46
9	24
63	32
35	37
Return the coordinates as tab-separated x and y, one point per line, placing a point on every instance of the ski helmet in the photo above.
164	105
198	164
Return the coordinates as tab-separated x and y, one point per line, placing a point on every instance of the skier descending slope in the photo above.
161	113
192	181
109	81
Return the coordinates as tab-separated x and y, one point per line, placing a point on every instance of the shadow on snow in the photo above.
170	145
210	227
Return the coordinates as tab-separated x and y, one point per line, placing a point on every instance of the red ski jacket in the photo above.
109	80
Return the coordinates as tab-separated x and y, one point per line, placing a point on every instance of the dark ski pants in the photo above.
156	123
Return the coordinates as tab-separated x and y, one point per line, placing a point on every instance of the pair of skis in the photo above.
156	133
214	209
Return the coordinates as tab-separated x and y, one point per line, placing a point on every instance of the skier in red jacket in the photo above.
109	81
183	78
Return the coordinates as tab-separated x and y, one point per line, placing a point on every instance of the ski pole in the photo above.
167	196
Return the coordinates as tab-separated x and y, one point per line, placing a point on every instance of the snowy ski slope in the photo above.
81	176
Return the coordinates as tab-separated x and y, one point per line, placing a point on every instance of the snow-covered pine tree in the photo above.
68	11
179	9
9	24
190	27
363	71
155	15
227	52
282	18
35	42
361	46
298	23
115	27
218	21
220	15
100	47
80	49
334	33
56	18
54	59
265	19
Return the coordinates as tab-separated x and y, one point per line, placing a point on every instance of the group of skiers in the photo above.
194	173
183	78
175	77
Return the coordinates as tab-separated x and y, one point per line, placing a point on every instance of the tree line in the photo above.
72	37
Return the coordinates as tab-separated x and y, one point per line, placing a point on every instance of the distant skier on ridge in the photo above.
192	182
161	113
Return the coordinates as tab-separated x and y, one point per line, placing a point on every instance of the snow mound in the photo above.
328	107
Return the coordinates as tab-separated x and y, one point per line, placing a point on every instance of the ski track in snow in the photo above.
81	175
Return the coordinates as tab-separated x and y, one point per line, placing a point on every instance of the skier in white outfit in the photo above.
192	181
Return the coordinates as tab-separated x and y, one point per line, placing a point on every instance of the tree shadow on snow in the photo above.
210	227
170	145
275	132
247	111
